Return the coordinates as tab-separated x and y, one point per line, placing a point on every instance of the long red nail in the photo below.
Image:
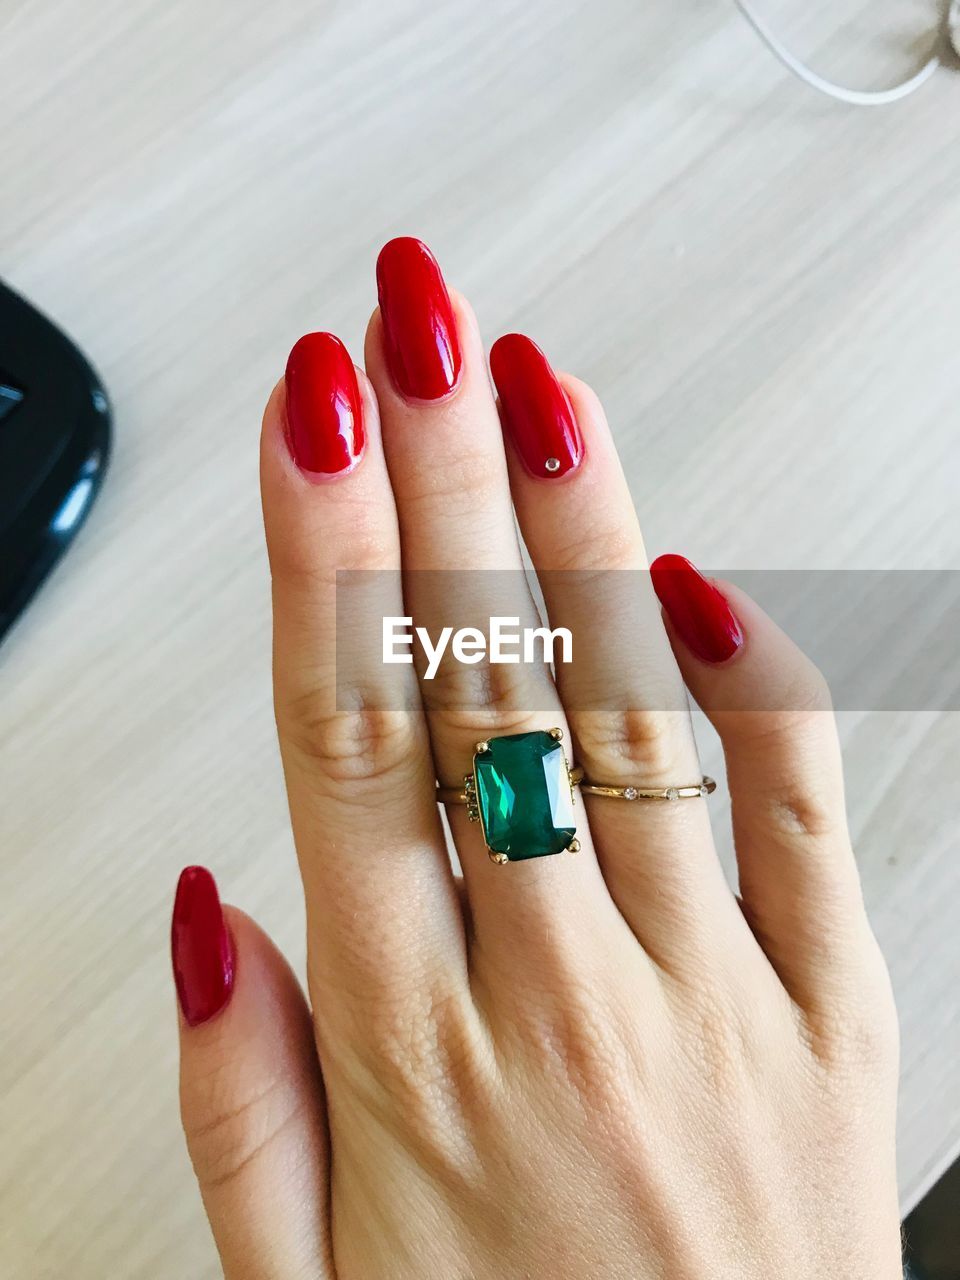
201	947
698	610
420	328
324	408
536	411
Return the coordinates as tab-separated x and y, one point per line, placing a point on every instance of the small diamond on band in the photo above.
694	791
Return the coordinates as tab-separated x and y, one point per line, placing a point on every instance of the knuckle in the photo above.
803	796
875	1040
644	743
424	1062
363	744
727	1044
795	713
419	1042
483	696
359	537
802	692
805	699
601	548
468	479
229	1132
585	1045
804	813
857	1035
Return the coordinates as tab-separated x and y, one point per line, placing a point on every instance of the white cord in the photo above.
859	97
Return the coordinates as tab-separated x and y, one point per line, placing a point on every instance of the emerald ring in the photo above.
521	791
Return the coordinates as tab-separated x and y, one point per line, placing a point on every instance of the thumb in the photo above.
251	1095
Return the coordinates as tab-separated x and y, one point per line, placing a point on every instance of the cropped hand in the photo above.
566	1067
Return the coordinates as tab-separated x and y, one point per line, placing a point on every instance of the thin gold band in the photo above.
706	787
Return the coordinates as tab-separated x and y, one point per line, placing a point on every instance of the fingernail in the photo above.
324	408
420	328
201	947
698	610
535	409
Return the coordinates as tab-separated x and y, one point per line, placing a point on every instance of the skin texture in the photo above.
601	1065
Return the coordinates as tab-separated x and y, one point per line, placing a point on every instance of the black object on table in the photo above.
54	446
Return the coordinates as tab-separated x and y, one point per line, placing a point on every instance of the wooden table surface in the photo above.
761	285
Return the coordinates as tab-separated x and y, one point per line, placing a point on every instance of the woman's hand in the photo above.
568	1067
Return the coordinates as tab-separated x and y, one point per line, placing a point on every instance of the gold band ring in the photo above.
521	792
696	790
705	787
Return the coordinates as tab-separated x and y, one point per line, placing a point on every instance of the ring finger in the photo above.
623	692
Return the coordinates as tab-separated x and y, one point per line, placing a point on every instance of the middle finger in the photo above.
462	566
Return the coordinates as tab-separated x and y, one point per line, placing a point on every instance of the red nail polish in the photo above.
698	610
201	947
324	408
535	408
420	328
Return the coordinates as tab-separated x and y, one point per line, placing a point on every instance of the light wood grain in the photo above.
762	287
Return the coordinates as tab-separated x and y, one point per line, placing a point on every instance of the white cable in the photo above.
858	97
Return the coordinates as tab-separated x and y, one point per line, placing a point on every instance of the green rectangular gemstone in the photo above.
524	796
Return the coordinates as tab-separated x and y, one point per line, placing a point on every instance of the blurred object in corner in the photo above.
945	52
932	1232
54	445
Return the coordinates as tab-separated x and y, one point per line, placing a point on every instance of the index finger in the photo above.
381	901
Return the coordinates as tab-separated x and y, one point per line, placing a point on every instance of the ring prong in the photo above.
574	846
500	859
482	747
556	735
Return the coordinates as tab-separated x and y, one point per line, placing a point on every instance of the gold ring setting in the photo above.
695	791
522	793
